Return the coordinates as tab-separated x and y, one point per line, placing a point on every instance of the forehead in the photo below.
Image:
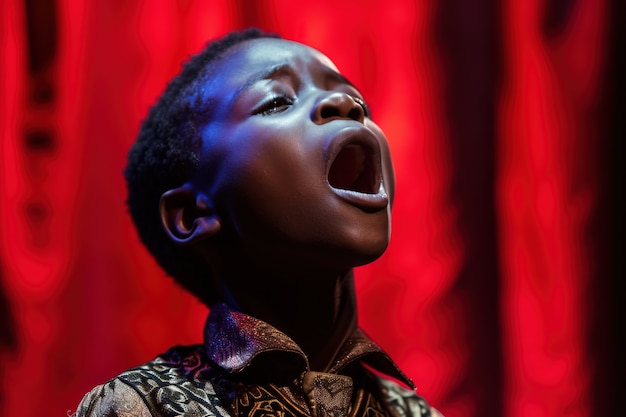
252	59
270	51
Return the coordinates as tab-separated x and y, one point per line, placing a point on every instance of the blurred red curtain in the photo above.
501	290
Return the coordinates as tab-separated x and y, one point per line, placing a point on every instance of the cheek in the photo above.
273	202
387	163
269	190
389	176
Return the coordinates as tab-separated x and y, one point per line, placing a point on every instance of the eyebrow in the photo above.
287	69
340	77
267	74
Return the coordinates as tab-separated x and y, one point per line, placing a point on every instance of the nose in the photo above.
337	105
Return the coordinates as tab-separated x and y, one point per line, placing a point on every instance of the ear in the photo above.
186	216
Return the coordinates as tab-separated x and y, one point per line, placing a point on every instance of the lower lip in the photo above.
366	202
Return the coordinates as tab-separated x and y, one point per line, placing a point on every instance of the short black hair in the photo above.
165	156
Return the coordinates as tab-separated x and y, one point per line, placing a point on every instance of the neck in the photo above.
318	311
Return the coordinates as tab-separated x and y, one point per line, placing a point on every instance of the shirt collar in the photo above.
238	343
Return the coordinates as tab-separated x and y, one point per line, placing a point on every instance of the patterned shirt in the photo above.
248	368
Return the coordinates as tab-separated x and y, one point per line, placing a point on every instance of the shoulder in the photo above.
113	398
175	383
403	401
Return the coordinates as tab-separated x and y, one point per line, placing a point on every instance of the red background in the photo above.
501	292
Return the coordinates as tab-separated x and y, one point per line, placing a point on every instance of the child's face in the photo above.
291	163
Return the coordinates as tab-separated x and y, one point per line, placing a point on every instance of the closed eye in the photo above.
274	105
366	109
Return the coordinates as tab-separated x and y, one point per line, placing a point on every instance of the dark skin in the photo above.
293	191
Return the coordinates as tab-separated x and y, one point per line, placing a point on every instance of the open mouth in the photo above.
353	169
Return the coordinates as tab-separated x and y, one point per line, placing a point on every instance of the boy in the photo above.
258	181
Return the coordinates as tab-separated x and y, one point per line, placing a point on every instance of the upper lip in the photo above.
354	168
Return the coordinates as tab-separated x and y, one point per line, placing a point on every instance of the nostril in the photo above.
329	112
355	113
338	105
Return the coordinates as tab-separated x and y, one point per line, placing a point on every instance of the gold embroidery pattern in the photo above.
256	401
366	405
270	401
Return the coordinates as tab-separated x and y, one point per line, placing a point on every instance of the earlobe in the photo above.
186	216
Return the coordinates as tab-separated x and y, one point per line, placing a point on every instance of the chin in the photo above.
370	242
371	257
365	251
